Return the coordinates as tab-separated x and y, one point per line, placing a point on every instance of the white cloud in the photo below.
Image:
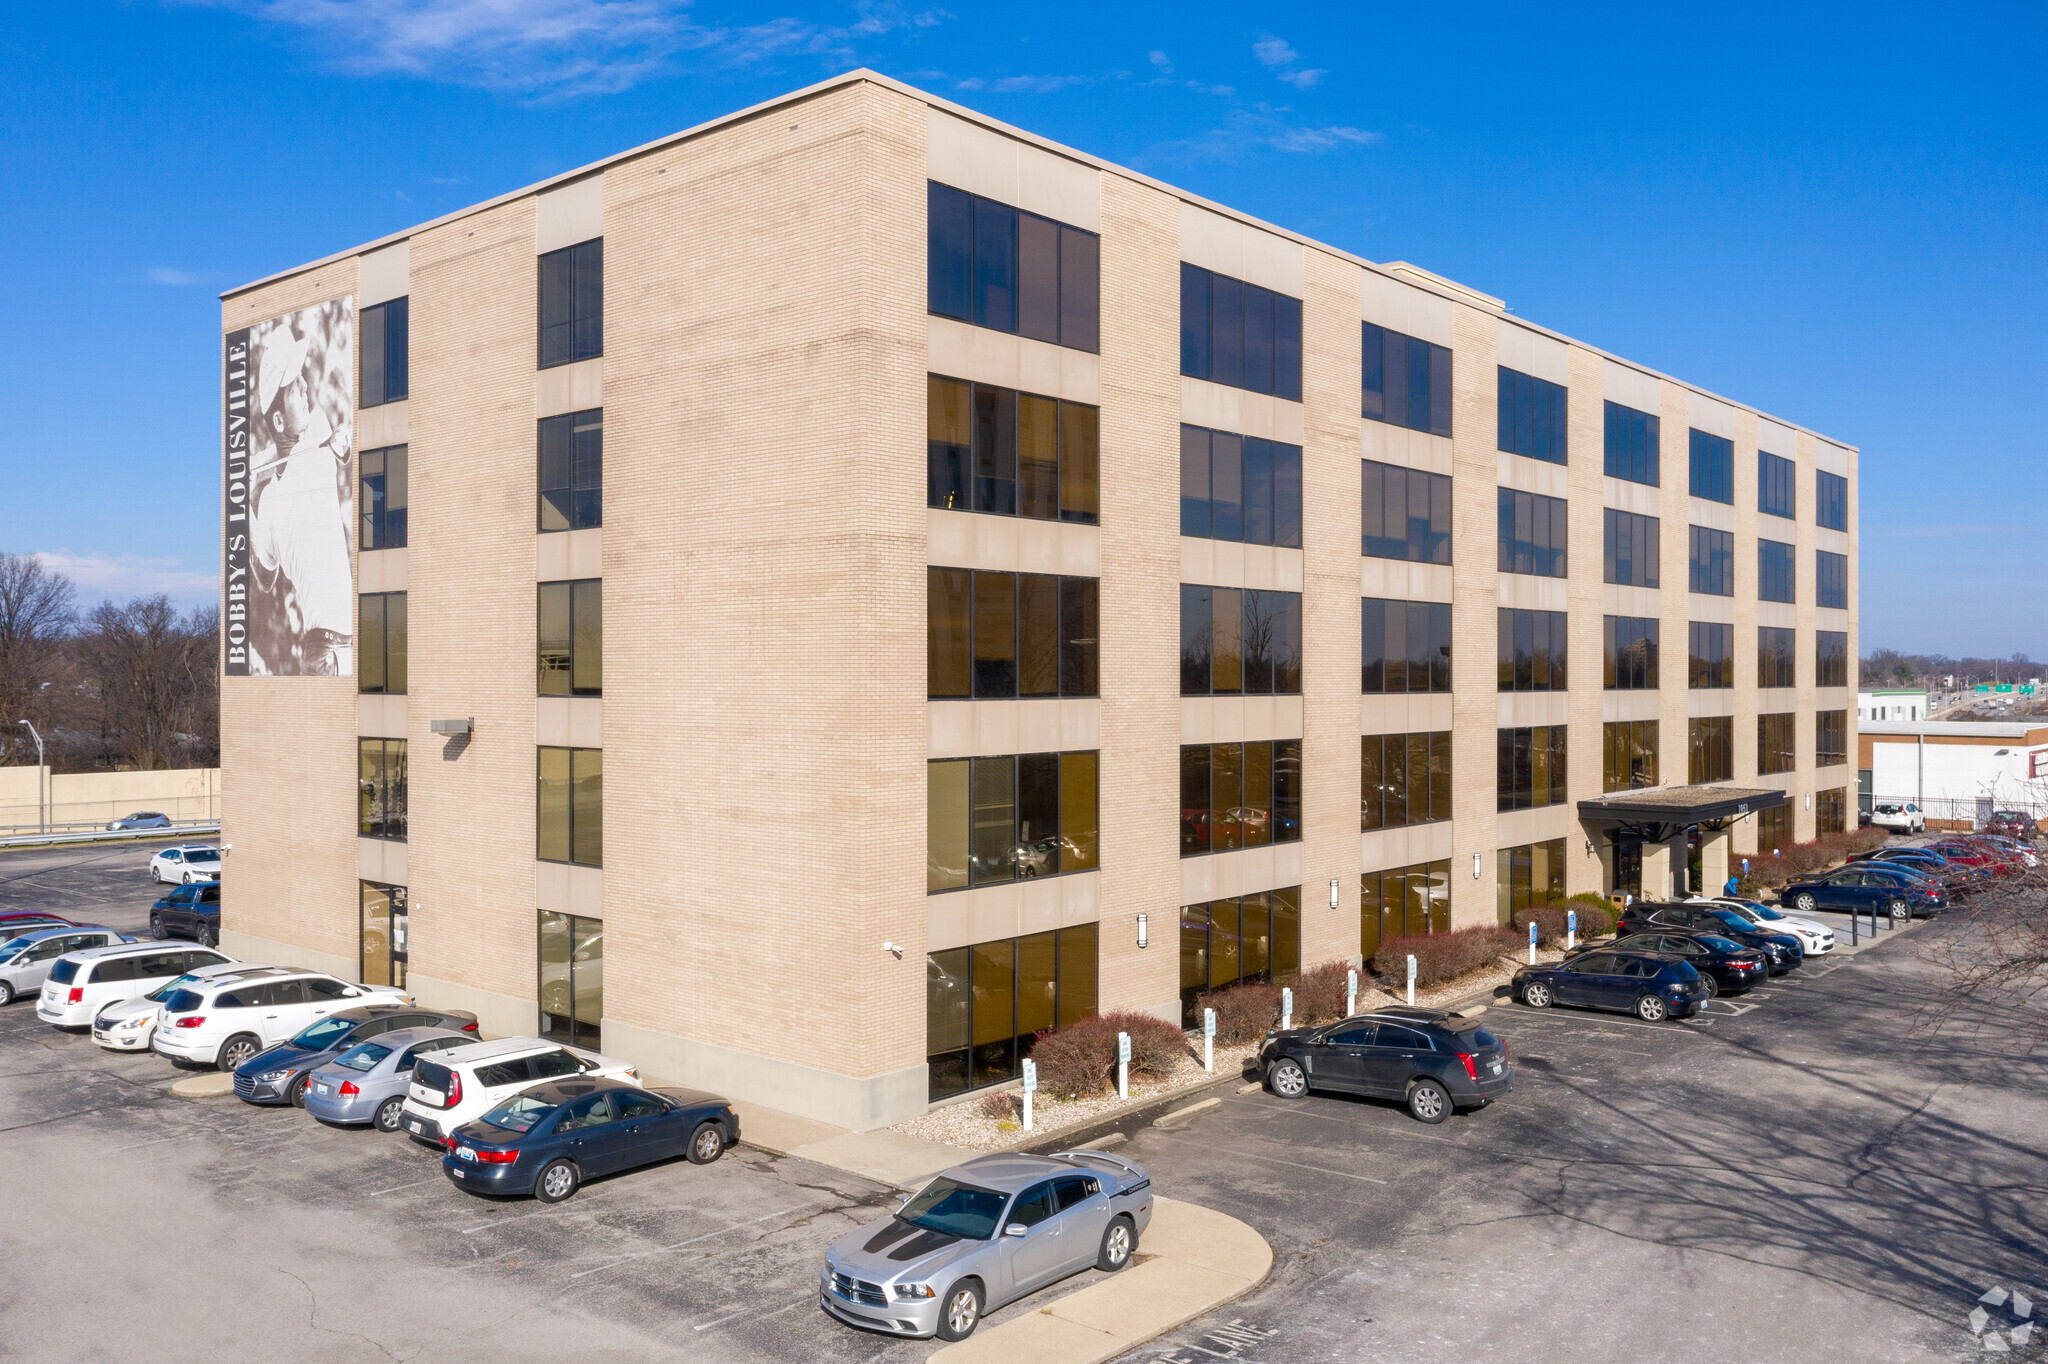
550	48
1161	60
132	575
176	279
1265	130
1282	60
1025	85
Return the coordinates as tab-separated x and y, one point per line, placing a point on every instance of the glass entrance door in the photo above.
383	934
1628	866
572	979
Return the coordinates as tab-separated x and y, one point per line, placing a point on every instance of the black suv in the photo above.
1783	949
189	911
1432	1060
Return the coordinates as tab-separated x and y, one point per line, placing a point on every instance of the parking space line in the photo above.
1275	1160
749	1312
414	1185
663	1250
1598	1022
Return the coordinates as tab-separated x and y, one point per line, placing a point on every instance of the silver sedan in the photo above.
985	1233
367	1083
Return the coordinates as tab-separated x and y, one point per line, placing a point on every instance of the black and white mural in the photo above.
290	494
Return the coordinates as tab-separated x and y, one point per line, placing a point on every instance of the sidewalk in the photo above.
902	1162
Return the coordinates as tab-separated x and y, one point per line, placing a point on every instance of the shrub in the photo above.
1243	1012
1080	1060
1319	993
1794	860
1441	957
1553	921
995	1104
1597	915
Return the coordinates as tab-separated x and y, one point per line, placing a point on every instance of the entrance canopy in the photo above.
1658	813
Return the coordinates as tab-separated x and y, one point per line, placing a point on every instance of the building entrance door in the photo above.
1628	867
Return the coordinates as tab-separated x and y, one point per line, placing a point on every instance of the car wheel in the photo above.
6	993
1119	1241
1651	1009
1900	913
707	1143
389	1114
156	927
207	935
557	1180
1805	903
1536	995
1427	1101
1288	1079
235	1051
297	1092
962	1312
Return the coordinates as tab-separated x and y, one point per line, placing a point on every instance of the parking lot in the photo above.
1797	1175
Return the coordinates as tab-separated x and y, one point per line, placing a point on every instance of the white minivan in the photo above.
224	1020
83	983
464	1083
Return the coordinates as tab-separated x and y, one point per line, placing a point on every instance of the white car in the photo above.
1816	939
222	1021
184	864
130	1025
463	1083
82	983
1901	817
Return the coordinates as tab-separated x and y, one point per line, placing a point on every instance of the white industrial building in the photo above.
1957	771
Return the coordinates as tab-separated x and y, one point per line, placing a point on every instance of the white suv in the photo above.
224	1020
130	1025
1901	817
464	1083
82	983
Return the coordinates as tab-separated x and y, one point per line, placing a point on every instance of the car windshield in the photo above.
362	1056
1478	1039
1764	912
1733	920
202	854
1719	944
11	946
324	1034
959	1209
169	988
519	1113
182	1001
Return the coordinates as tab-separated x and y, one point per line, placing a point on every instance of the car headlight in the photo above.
271	1077
914	1290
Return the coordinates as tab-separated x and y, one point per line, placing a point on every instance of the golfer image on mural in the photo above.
301	493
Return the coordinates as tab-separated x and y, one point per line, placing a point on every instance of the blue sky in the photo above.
1833	212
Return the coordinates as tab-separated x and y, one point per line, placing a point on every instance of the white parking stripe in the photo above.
414	1185
663	1250
749	1312
1274	1160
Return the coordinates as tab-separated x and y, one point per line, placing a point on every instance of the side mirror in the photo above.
352	992
1015	1229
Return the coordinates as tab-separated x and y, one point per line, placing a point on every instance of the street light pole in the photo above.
42	806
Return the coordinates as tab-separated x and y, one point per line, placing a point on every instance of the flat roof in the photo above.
1402	271
1682	804
1986	730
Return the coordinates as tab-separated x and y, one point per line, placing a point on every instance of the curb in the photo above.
218	1085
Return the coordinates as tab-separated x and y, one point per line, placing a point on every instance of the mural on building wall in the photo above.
290	494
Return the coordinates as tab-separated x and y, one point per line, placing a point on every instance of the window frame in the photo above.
390	321
1281	665
1777	571
1393	359
1777	485
1710	561
1643	536
380	525
1629	447
582	599
1281	506
1710	473
1547	557
577	804
1075	304
383	654
1537	667
380	790
1532	416
1531	769
1618	635
1376	784
1375	615
1211	315
585	303
579	493
1076	816
1428	543
1831	500
1282	767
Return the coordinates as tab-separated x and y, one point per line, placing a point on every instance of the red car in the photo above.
1972	854
27	921
2012	824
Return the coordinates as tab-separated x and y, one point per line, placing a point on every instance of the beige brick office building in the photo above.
900	585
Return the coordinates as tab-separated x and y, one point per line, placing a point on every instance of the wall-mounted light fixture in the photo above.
1475	866
893	950
1333	892
1142	921
1589	847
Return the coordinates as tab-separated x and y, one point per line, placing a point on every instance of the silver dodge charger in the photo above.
985	1233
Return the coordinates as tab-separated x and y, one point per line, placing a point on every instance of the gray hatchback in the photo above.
367	1083
985	1233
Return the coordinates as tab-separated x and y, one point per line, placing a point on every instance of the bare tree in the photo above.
1993	961
36	615
155	679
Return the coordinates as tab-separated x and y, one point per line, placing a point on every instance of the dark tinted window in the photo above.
594	1111
1406	514
1711	561
550	1064
1033	1206
1073	1191
384	497
1776	574
996	450
1477	1038
1630	644
1003	635
323	988
1530	650
246	998
1000	267
1831	658
1639	968
433	1076
1713	467
1776	483
381	788
1597	964
1532	416
1236	487
1404	779
1832	493
1239	334
631	1103
381	642
1352	1037
64	972
1710	654
384	355
571	633
501	1073
1775	652
1532	534
1629	548
1239	795
1530	767
1405	1038
182	1001
1406	381
1713	749
572	303
1831	579
1239	641
572	470
1631	445
280	992
1405	646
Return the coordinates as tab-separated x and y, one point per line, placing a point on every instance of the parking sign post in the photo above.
1411	979
1208	1039
1350	993
1030	1084
1286	1009
1571	929
1532	942
1123	1065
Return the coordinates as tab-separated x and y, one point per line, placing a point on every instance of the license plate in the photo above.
1496	1070
417	1129
459	1174
321	1090
467	1153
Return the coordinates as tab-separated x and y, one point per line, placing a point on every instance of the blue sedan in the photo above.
1650	985
547	1140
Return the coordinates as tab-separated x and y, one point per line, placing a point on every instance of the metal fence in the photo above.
79	816
1964	812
